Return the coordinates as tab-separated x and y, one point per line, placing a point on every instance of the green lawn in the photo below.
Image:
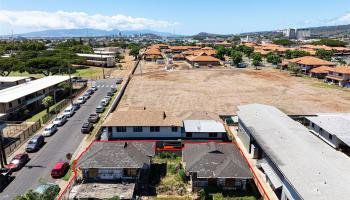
88	72
68	174
26	74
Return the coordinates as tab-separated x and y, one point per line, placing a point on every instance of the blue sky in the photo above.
181	16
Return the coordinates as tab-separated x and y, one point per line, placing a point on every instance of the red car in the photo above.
18	162
60	169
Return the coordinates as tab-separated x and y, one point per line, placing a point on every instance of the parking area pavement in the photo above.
66	140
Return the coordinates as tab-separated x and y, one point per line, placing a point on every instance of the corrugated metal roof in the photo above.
18	91
203	126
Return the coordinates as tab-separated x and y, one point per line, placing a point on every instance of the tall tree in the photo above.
256	59
7	65
273	58
294	69
236	57
47	102
324	54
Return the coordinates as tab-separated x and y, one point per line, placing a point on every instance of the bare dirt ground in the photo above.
222	90
127	63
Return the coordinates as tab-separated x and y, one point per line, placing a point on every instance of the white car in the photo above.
81	100
49	130
60	120
104	102
69	112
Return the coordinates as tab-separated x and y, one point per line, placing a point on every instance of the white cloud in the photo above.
63	19
344	19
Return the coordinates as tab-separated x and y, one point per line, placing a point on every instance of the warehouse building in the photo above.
296	164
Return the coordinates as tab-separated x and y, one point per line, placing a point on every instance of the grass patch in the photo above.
219	196
329	86
16	73
39	115
174	198
173	180
89	72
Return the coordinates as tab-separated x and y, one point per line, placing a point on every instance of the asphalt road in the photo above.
66	140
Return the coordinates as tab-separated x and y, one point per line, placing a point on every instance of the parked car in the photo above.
87	127
94	87
35	143
108	98
69	112
241	65
49	130
93	118
76	106
53	187
60	120
100	109
81	100
90	91
86	95
18	162
119	80
113	89
5	177
104	102
60	169
110	94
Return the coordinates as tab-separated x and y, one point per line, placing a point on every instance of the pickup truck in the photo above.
5	177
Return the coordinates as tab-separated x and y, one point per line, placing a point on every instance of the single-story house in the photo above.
204	129
215	165
117	161
203	60
152	54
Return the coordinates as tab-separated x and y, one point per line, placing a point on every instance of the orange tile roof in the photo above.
202	58
183	47
208	51
341	69
153	51
321	70
311	60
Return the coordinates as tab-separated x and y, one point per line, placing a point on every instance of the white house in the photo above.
203	129
142	124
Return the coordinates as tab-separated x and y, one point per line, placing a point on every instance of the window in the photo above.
330	136
10	104
19	101
174	129
137	128
121	129
154	129
312	125
189	135
109	129
213	135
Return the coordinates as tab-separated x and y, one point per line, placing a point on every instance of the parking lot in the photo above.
66	140
222	90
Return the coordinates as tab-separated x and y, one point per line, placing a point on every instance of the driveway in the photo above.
66	140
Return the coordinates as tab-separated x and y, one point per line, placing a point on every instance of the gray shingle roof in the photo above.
117	155
214	160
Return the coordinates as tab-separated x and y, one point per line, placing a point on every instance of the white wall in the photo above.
324	135
165	132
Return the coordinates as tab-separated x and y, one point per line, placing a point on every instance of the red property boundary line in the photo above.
183	146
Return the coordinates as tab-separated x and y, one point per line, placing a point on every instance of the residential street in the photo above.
66	140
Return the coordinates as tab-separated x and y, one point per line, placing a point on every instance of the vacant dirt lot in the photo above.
221	91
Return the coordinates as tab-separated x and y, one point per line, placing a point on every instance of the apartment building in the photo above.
99	60
340	76
9	81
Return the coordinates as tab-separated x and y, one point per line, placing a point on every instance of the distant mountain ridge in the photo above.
89	32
